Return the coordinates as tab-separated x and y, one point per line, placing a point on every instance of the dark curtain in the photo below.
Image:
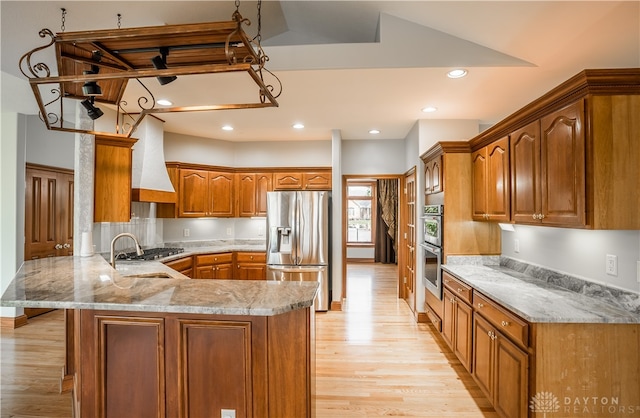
386	227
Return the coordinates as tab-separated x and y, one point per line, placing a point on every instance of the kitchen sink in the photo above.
156	275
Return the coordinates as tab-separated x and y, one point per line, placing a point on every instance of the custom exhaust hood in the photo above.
149	177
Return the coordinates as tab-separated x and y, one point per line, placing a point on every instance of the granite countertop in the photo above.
537	300
91	283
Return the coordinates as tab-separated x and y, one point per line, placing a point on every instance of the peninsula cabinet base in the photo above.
139	364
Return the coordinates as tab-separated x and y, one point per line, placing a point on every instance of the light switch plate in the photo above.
227	413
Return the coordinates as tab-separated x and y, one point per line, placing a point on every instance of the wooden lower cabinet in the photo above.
182	265
500	368
214	266
250	266
457	320
186	365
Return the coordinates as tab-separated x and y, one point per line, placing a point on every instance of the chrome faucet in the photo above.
112	258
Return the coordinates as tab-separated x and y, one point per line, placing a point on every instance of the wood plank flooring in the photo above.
372	359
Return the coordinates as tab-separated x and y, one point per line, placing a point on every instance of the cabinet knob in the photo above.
505	323
480	305
541	216
66	245
58	246
459	290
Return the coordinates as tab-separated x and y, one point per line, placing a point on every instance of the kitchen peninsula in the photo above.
150	342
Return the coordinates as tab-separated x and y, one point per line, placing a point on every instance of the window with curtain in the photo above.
361	212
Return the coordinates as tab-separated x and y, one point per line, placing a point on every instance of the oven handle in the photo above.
431	248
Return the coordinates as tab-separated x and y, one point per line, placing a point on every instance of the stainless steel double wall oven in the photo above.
432	248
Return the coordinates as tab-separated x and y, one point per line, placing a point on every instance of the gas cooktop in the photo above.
150	254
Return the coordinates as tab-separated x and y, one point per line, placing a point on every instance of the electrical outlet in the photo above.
261	231
228	232
186	232
227	413
516	245
638	271
612	265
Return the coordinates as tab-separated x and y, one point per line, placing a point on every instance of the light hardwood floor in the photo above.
372	359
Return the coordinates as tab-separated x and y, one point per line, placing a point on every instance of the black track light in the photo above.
160	63
91	88
92	111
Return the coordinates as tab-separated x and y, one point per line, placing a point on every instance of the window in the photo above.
361	211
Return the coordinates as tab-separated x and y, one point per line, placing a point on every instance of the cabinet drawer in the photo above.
462	290
509	324
205	259
435	320
251	257
180	264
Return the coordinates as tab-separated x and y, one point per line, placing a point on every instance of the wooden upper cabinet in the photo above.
205	193
112	188
562	166
252	193
491	182
433	175
48	212
302	180
548	170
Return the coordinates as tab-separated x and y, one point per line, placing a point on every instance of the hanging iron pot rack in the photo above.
111	58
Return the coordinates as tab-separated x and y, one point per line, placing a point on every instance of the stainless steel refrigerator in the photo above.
298	239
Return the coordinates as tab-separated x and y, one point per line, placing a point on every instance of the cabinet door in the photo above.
511	379
497	178
220	194
448	317
194	193
316	181
428	178
287	181
112	181
205	272
246	194
525	174
224	271
562	167
483	359
264	184
462	343
479	170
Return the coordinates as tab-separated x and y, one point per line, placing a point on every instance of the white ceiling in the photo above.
358	65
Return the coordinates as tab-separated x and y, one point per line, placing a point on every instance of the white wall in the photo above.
578	252
373	157
436	130
52	148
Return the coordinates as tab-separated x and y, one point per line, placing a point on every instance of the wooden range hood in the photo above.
125	54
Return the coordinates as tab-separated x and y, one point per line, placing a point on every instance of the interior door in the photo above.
408	267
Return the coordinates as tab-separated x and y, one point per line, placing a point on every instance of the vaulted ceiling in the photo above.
361	65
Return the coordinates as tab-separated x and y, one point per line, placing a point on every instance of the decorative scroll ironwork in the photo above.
34	70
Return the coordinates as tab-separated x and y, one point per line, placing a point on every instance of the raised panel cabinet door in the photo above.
224	271
287	181
462	343
316	181
205	272
483	364
479	190
264	184
497	178
247	187
563	167
525	174
511	379
194	193
221	194
448	317
214	367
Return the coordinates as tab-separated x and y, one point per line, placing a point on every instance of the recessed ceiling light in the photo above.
298	126
429	109
457	73
164	102
227	128
374	131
